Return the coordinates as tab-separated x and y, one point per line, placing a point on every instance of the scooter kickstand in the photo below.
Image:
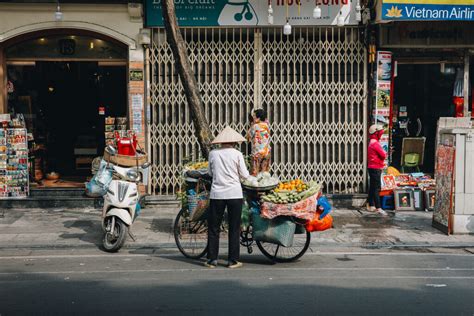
132	235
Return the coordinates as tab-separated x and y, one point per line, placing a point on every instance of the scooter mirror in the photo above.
133	175
146	165
111	150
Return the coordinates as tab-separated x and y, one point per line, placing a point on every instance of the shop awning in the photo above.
425	10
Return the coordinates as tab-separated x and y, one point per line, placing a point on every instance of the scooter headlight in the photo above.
133	175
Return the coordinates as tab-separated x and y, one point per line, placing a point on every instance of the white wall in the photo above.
111	20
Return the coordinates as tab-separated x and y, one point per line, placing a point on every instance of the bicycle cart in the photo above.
191	235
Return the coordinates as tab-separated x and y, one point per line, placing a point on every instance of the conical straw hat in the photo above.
228	135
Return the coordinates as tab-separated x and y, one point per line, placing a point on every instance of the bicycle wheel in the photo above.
279	253
190	237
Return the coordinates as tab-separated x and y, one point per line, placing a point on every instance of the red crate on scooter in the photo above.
126	145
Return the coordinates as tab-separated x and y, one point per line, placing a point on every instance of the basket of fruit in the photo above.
196	170
292	198
261	183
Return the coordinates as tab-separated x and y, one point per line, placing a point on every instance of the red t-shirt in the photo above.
375	155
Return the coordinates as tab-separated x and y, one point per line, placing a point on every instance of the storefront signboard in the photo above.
438	34
251	12
427	10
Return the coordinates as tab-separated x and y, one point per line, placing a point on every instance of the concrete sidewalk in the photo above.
80	228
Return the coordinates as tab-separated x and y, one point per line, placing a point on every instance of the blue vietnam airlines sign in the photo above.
428	10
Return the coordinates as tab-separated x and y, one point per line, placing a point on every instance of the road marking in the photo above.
158	255
227	275
242	269
436	285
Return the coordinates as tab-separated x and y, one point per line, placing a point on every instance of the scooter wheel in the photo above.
112	243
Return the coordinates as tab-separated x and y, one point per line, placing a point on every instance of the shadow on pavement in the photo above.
92	231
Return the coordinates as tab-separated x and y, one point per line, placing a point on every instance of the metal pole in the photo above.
147	111
466	85
365	119
3	82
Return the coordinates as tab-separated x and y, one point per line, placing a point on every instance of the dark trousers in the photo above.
216	213
374	187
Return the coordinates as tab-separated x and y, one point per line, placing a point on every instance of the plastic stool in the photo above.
388	202
411	160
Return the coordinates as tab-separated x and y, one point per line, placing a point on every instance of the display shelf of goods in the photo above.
13	162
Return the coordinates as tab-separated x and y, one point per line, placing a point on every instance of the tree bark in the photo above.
187	77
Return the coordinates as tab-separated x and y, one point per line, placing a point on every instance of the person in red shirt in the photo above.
375	157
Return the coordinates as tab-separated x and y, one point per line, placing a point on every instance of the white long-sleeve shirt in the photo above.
227	168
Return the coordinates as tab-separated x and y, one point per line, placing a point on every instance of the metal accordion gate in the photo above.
313	85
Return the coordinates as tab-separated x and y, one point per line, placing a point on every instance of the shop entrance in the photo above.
422	94
64	102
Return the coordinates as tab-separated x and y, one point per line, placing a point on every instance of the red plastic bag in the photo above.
317	224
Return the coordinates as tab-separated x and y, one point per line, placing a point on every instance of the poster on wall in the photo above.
251	12
137	118
383	87
444	175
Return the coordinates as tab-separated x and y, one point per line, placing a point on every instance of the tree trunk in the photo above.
187	77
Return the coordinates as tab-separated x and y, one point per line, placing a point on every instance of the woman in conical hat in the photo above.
227	168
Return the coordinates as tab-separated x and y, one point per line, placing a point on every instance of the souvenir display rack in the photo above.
13	162
113	124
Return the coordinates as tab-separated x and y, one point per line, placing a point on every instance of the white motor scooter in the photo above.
121	203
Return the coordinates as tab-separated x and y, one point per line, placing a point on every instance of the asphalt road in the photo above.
142	283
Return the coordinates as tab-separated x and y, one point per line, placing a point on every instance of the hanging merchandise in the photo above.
458	93
14	160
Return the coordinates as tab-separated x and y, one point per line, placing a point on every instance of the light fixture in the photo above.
135	12
91	45
317	11
270	12
341	21
144	37
358	11
287	26
58	15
